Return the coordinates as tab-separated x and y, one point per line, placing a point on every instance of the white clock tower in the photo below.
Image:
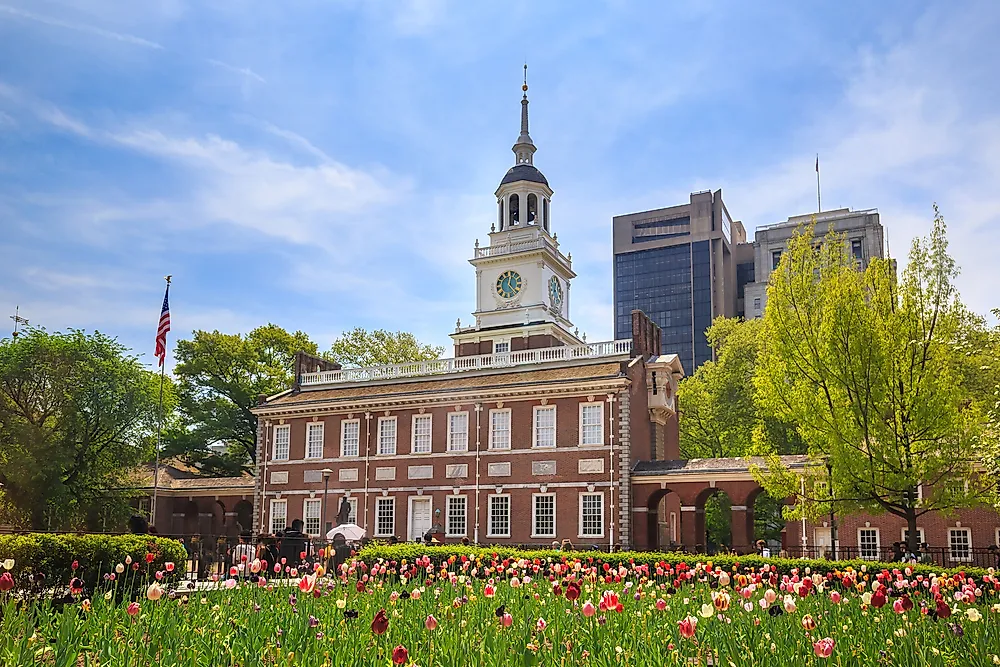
522	280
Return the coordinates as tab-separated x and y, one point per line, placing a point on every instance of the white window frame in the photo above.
454	443
395	436
448	513
878	542
502	342
344	443
430	434
920	535
271	514
492	440
600	424
318	504
310	428
490	532
390	502
352	515
534	514
534	426
951	550
997	537
286	431
596	494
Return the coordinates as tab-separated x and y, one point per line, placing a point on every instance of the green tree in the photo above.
359	347
864	364
719	407
77	414
219	377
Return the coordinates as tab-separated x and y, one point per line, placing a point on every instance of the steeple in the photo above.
524	148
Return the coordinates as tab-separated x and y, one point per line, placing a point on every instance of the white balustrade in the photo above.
459	364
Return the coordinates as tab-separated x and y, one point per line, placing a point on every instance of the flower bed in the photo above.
564	610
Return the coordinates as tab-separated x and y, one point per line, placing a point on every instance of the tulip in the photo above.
489	590
380	623
661	604
770	596
307	583
119	568
154	592
169	567
687	626
789	604
132	609
835	597
824	647
588	608
430	622
85	605
230	584
150	558
507	620
897	606
6	582
706	611
76	585
973	615
400	655
878	599
808	622
541	625
128	560
8	564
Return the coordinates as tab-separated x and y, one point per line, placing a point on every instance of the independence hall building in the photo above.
529	434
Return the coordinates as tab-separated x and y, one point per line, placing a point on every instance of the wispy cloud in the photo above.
245	71
80	27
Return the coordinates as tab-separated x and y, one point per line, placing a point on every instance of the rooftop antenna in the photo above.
18	320
819	201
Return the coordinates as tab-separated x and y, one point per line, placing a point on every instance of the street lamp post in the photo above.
326	487
833	519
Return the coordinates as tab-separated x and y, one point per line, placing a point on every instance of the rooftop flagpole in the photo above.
819	201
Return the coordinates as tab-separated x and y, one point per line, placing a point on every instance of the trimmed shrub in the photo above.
651	558
44	562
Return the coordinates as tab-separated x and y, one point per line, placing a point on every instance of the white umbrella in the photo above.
352	532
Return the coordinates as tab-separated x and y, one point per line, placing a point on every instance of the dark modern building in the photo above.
677	265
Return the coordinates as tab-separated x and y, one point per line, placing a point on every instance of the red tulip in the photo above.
76	586
878	599
75	564
507	620
169	566
150	557
133	608
824	647
380	623
661	604
572	592
400	655
942	609
687	626
6	582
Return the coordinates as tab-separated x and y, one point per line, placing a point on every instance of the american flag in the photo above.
163	328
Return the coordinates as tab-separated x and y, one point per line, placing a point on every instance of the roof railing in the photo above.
460	364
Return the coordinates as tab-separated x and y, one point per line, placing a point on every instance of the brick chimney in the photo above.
310	363
645	336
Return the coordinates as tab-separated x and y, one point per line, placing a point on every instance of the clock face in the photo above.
555	293
509	284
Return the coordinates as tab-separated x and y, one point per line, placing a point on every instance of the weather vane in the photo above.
18	320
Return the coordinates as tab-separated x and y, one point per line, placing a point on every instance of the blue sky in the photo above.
330	164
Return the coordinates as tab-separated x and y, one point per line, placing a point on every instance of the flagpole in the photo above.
159	429
819	201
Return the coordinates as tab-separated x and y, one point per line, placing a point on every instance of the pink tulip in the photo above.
897	606
132	609
230	584
824	647
430	623
770	596
661	604
507	620
687	627
588	609
835	597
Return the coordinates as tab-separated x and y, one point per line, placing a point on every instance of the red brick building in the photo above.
529	434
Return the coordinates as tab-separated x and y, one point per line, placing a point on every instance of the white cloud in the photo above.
80	27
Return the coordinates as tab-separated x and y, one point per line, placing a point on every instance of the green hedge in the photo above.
52	556
784	565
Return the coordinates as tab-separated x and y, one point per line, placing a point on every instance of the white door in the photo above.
823	541
420	517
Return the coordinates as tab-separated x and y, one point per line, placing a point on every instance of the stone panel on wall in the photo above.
279	477
590	466
457	471
312	476
420	472
387	473
543	467
348	475
498	469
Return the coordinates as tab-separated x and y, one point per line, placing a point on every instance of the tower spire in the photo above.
524	148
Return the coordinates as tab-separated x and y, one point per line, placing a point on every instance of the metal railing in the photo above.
460	364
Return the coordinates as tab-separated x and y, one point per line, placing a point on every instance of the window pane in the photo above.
592	425
422	434
282	436
499	524
545	427
349	437
387	435
500	429
312	511
314	441
458	431
592	508
385	516
279	514
544	516
868	543
960	543
456	515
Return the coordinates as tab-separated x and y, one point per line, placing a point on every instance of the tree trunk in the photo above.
912	538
